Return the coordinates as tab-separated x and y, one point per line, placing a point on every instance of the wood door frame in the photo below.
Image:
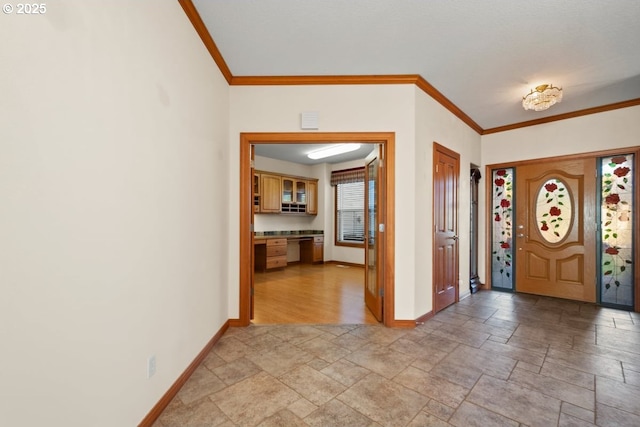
441	148
386	139
601	153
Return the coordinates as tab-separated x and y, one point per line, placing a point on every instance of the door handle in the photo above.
453	237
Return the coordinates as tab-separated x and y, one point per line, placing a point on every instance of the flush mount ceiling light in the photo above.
333	150
542	97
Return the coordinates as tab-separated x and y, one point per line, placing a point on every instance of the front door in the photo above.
556	229
373	226
445	217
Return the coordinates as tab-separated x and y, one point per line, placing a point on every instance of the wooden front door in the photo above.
373	243
555	229
445	216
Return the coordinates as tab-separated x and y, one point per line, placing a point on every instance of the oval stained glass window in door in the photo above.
553	210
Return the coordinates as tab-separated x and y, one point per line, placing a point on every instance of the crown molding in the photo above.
323	80
203	32
416	79
565	116
444	101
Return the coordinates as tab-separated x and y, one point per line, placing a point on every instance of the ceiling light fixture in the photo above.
333	150
542	97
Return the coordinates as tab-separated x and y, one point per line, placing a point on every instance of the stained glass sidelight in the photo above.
616	223
501	250
554	211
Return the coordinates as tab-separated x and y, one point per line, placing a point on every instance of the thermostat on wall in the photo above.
309	120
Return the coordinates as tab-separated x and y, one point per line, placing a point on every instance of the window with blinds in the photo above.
350	213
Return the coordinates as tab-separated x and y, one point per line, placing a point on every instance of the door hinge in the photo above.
252	164
381	292
381	228
437	168
251	228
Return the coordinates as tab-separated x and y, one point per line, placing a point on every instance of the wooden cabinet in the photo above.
273	193
312	197
256	192
276	253
270	253
312	250
270	190
294	195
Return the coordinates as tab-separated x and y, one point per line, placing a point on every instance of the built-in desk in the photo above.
270	250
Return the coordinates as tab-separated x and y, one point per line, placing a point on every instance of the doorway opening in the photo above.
385	233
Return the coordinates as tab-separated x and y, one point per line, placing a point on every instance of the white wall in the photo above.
416	119
342	108
595	132
436	124
113	238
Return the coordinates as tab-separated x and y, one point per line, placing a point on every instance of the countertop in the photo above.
263	235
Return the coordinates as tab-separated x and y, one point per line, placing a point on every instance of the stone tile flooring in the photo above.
494	359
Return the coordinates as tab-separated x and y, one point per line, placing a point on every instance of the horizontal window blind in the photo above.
350	212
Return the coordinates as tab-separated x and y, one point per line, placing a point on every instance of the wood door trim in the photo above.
600	153
387	139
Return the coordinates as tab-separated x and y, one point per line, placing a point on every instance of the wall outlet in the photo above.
151	366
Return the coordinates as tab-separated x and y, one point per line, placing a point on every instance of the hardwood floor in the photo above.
303	294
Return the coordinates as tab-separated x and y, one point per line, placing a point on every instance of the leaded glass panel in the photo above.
554	210
616	223
502	251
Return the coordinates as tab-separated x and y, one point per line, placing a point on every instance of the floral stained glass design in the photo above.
616	269
554	210
502	251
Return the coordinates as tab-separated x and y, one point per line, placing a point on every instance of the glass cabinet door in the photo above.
301	192
287	190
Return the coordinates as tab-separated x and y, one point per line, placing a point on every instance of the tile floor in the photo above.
494	359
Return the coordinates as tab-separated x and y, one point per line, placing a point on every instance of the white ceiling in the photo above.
297	153
482	55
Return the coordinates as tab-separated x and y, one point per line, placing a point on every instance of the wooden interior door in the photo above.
253	260
556	229
374	225
445	217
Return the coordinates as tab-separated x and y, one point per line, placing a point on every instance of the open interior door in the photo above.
374	226
254	182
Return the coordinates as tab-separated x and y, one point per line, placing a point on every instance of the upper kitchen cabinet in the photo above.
312	197
270	190
294	195
286	194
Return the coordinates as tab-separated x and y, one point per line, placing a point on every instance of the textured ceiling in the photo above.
481	55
